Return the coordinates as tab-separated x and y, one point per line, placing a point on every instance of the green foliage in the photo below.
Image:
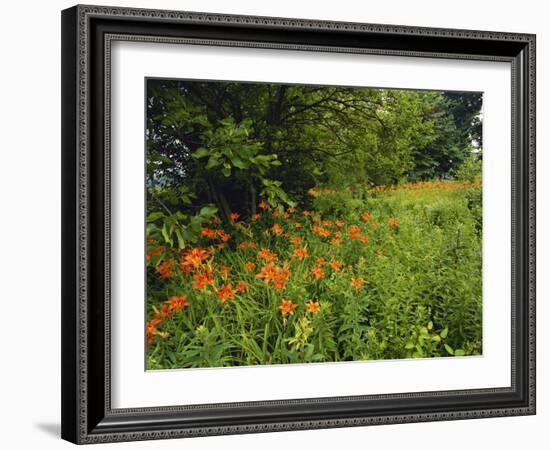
339	204
230	149
178	228
420	295
470	169
456	123
230	141
275	195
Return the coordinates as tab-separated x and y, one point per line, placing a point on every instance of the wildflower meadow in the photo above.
263	250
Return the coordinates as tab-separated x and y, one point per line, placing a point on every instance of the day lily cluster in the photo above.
286	249
169	308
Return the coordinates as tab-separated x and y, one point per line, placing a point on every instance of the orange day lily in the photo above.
277	275
277	229
313	307
166	268
155	252
224	270
177	303
193	259
266	254
323	232
225	293
295	240
241	286
268	273
282	279
208	233
223	236
287	307
151	329
318	272
300	253
203	279
354	231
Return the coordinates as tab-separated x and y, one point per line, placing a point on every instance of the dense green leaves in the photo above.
229	143
171	228
456	122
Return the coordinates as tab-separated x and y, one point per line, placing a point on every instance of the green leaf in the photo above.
201	153
195	224
208	211
238	162
449	349
444	333
181	241
166	234
155	215
317	171
212	162
459	352
161	158
409	346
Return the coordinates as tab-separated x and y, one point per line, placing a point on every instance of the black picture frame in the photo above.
87	416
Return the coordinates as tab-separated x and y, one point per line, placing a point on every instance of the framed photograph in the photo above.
281	224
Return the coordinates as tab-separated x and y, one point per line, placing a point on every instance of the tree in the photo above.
228	142
457	126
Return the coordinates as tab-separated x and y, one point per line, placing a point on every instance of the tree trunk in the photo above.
219	200
225	206
252	189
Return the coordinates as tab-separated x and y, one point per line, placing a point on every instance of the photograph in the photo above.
293	223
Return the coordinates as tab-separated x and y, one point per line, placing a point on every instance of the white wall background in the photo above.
30	222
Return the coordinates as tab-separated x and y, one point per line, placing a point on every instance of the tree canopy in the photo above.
231	144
